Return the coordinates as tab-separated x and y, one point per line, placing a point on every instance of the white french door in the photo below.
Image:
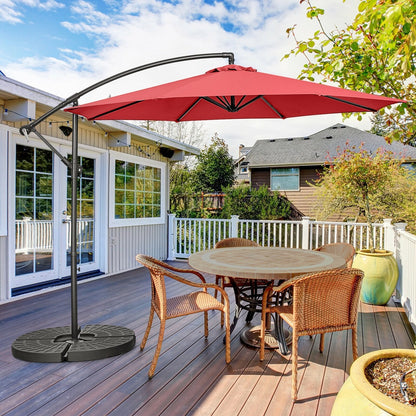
42	209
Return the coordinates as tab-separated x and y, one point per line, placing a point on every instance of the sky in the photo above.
61	47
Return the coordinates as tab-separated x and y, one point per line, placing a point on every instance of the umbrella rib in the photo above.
188	109
224	105
351	103
274	109
114	109
227	105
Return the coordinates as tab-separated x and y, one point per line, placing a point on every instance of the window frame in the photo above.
277	175
3	181
125	222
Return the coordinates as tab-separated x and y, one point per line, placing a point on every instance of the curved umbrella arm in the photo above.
73	98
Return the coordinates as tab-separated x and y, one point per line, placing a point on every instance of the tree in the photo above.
181	193
255	204
376	53
214	169
373	185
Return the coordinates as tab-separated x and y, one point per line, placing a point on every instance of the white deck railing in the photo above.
189	235
405	250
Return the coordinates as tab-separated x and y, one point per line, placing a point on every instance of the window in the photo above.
137	191
284	179
243	169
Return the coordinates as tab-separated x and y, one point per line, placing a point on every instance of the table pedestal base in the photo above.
251	337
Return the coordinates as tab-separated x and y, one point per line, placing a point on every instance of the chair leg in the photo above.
158	348
227	337
321	343
354	344
280	335
149	325
294	367
222	313
206	324
262	334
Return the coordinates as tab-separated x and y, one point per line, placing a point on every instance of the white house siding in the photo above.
126	242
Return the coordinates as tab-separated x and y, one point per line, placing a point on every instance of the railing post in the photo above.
171	237
305	232
389	235
234	226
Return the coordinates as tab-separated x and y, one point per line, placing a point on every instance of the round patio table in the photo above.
262	263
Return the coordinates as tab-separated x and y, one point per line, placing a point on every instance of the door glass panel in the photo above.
34	210
85	213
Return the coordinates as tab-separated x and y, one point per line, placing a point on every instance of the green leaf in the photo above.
354	46
406	28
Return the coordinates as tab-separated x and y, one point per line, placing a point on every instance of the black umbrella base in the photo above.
54	345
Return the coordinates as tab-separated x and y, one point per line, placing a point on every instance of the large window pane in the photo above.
34	210
135	185
284	179
85	210
25	158
24	184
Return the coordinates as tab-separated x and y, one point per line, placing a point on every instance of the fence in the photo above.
405	250
189	235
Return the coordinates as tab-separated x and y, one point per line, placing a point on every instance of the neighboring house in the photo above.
123	203
241	166
289	165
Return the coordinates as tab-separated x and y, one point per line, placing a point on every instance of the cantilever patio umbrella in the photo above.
231	92
228	92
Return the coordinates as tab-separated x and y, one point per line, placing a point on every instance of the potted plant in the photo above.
361	394
371	186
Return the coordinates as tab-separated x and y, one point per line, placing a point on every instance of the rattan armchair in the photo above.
189	303
345	250
321	302
224	281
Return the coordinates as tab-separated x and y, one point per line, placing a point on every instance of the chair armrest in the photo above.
179	270
203	285
287	283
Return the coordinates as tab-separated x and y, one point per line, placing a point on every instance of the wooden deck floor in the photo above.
191	376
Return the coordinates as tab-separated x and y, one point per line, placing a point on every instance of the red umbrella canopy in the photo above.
231	92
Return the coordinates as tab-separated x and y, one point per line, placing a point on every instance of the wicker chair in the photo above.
224	281
341	249
186	304
322	302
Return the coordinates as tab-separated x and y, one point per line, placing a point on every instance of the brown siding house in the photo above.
291	165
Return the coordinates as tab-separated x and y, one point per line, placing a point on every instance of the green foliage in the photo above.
373	185
182	201
255	204
214	169
376	53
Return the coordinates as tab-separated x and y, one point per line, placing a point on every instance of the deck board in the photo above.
191	377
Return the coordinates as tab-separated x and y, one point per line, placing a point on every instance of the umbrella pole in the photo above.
71	343
74	231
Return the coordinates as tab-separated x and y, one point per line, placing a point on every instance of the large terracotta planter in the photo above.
358	397
380	275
